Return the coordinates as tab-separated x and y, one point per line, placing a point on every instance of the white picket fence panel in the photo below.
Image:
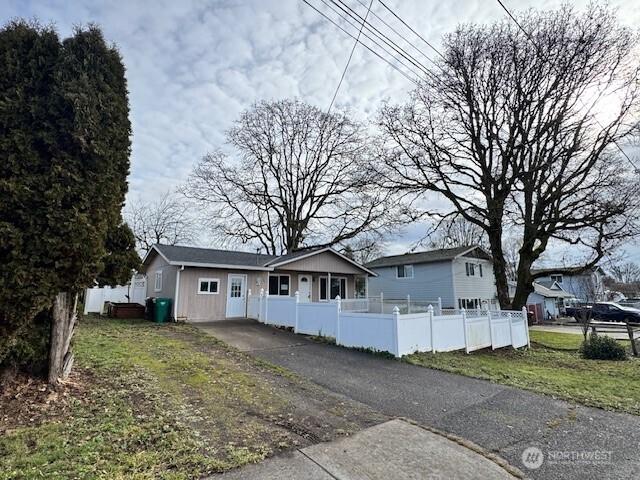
96	297
318	319
397	333
374	331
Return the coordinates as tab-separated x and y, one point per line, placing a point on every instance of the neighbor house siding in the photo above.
168	278
195	307
474	286
430	281
323	262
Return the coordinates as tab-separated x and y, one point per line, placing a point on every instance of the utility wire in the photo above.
401	51
528	35
375	42
353	49
402	72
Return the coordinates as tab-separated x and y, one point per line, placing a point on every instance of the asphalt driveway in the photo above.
577	442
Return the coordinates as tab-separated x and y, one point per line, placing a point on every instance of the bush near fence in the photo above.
397	333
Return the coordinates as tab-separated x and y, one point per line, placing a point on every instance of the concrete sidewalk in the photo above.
394	449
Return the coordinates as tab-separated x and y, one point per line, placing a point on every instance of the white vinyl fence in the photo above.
96	297
397	333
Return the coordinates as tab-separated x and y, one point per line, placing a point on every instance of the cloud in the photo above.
193	66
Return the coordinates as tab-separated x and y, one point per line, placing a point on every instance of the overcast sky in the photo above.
192	66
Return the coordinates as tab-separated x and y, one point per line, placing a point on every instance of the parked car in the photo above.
609	312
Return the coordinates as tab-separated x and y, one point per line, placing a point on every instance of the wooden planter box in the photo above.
125	310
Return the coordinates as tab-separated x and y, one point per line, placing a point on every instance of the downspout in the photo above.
175	301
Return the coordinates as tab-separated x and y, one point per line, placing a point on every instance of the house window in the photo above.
404	271
480	269
208	286
338	287
470	269
158	282
469	303
279	285
556	278
361	287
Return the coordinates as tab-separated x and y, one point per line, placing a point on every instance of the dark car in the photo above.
613	312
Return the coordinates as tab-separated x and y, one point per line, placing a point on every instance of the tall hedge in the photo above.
64	161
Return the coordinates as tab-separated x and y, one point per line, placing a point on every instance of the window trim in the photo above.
404	270
207	279
554	277
279	290
470	268
158	275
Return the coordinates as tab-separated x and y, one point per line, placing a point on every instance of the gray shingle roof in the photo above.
176	253
419	257
293	255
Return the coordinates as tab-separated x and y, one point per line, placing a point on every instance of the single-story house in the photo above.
586	286
462	277
205	284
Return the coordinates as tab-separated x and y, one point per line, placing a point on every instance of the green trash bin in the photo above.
161	310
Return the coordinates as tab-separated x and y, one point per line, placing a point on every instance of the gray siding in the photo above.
168	278
430	281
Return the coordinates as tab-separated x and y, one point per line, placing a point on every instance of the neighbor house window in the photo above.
158	282
208	286
279	285
470	269
361	287
469	303
338	287
556	278
404	271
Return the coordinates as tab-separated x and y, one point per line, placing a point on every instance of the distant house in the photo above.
546	300
206	284
461	277
587	286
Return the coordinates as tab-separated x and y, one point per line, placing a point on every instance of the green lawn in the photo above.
552	366
148	401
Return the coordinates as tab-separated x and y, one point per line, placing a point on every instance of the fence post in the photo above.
430	317
490	329
266	307
338	310
381	302
525	317
464	326
439	306
408	303
396	343
260	319
295	321
510	318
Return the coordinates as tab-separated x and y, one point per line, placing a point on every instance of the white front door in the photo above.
236	297
304	288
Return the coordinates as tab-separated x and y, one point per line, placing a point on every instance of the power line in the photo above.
353	49
403	73
385	38
412	30
530	38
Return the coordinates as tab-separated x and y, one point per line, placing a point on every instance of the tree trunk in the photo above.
524	285
63	321
499	266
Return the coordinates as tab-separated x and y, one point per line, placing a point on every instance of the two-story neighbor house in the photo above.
587	286
461	277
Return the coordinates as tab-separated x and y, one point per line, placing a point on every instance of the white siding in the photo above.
430	281
474	286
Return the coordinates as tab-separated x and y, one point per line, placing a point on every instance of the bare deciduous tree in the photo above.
167	220
626	272
520	129
299	178
456	231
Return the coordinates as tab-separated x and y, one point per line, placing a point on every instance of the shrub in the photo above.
602	347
